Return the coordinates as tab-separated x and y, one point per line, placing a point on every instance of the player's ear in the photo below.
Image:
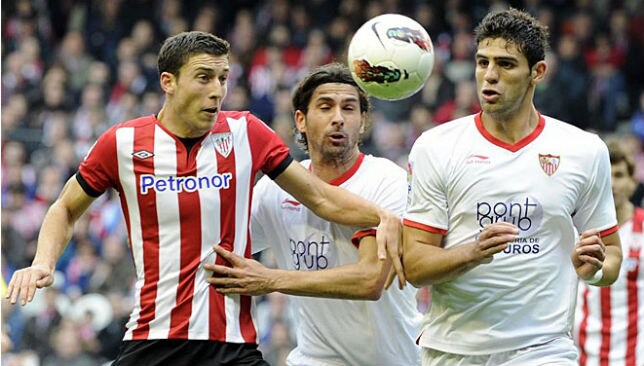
363	122
539	71
168	82
300	121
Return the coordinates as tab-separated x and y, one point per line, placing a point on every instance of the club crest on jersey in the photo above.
223	143
549	163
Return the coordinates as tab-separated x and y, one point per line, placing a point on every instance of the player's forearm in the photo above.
56	231
427	265
346	282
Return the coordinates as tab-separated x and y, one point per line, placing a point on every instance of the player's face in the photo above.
334	122
503	78
623	184
195	95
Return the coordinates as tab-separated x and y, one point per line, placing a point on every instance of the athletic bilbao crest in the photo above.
223	143
549	163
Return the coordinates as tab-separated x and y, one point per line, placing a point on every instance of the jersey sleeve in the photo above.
595	207
259	217
98	170
427	194
270	153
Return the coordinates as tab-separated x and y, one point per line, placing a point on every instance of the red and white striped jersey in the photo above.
609	325
177	205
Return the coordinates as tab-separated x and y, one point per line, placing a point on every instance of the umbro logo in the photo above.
143	154
292	205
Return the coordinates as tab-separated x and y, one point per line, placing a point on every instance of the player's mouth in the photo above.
212	111
337	137
490	95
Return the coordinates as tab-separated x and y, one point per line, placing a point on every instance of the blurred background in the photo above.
71	69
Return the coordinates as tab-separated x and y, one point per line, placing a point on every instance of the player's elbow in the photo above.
414	279
372	291
412	276
370	286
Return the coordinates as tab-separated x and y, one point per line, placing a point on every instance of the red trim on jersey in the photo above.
604	349
349	173
424	227
608	231
358	235
512	147
144	140
583	335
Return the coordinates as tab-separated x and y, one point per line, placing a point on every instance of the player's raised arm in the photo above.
55	233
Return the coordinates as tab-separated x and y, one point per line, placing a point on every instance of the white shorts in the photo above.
558	352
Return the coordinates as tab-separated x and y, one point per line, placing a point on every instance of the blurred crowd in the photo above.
71	69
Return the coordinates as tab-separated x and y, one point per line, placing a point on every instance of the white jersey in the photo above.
334	331
554	180
609	325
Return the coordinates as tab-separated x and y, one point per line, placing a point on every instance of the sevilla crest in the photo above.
549	163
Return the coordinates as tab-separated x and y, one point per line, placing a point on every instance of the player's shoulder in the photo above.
136	123
238	116
140	122
571	135
446	134
375	165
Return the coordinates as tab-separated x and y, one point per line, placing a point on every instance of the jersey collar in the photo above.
348	174
511	147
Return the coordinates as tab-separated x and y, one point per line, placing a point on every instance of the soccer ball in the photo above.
391	56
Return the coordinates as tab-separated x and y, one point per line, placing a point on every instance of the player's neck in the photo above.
511	128
175	124
331	168
624	212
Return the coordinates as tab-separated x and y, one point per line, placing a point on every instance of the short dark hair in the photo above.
519	28
176	50
325	74
617	154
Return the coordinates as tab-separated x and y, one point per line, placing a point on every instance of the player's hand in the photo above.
24	283
589	254
389	239
245	276
493	239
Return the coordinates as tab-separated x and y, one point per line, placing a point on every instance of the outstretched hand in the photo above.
24	283
389	239
244	276
589	254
